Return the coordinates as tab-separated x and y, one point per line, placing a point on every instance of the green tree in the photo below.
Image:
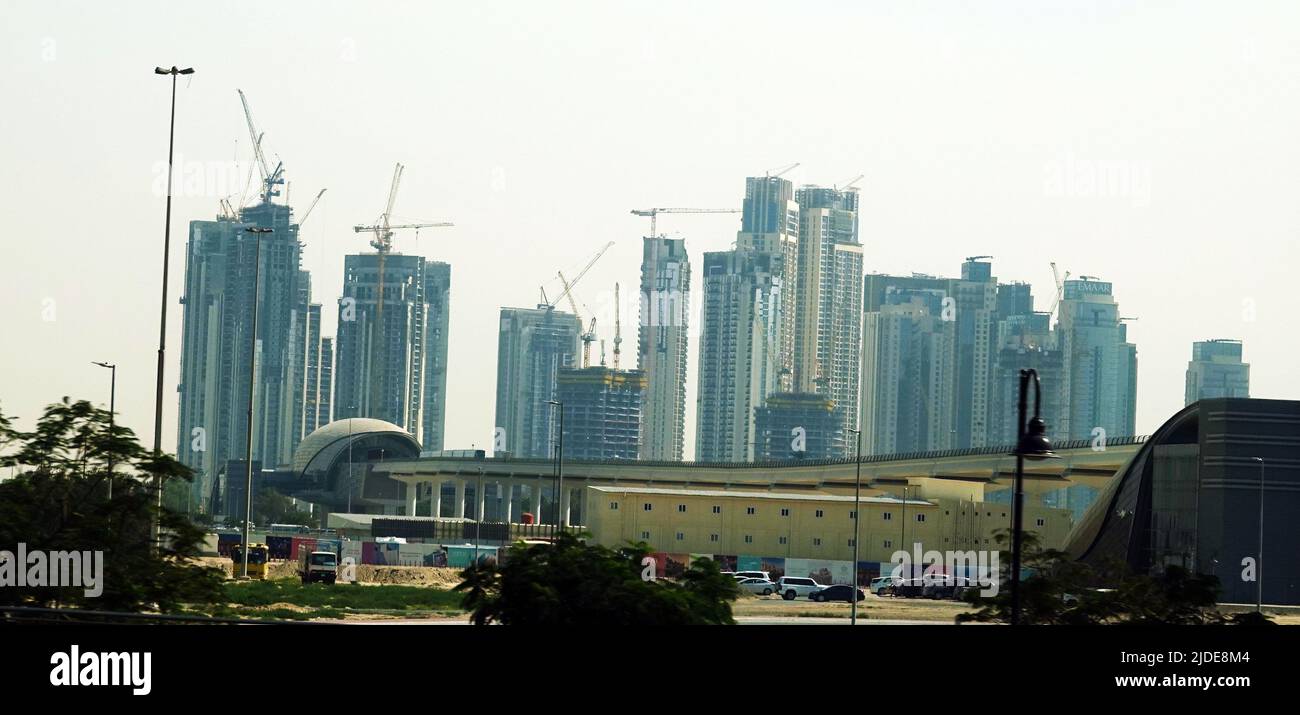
59	501
272	507
570	582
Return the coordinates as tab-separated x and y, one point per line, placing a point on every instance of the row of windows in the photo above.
749	539
647	506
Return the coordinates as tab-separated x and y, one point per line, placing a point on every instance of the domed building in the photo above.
334	466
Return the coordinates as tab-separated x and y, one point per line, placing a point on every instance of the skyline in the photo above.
520	198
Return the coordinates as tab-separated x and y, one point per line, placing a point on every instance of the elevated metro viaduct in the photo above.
968	474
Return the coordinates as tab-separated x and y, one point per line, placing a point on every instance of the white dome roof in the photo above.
323	437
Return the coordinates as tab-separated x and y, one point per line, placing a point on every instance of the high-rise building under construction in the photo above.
661	346
394	367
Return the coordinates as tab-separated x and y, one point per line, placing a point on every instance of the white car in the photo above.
740	575
760	586
792	587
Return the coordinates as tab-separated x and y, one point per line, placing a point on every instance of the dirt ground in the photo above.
909	609
386	575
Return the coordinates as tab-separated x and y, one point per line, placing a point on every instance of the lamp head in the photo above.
1035	444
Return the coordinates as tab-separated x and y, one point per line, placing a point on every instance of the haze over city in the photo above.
536	133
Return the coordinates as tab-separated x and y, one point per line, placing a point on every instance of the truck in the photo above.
258	558
318	566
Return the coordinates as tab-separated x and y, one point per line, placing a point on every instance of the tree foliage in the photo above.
59	501
1062	591
574	583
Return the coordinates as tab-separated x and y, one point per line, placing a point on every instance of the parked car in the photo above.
905	588
879	583
760	586
792	587
753	574
944	587
838	592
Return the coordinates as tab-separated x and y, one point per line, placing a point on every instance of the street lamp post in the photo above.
1031	443
559	470
1259	563
857	519
257	232
162	322
112	409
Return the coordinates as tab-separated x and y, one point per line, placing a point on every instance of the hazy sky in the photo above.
1152	146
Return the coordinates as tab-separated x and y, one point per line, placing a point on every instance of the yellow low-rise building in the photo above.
808	525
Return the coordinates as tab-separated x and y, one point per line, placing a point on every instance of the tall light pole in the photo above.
1259	563
857	519
257	232
559	469
1031	443
112	409
162	321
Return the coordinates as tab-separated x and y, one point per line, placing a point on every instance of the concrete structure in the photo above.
828	324
1216	370
1100	365
216	344
799	425
532	346
337	467
970	475
661	346
318	375
740	334
397	371
769	225
602	412
1215	490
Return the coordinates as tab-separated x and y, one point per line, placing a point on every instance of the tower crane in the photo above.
851	182
652	213
1060	288
589	336
382	242
307	213
970	259
780	171
270	179
574	282
618	332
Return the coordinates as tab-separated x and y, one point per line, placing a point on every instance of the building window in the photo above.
889	544
749	510
681	536
646	506
713	537
613	505
888	516
853	515
1042	522
749	539
717	509
920	517
820	513
1004	515
785	512
681	507
781	540
645	535
817	541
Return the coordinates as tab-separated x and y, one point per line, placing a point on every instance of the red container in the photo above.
527	518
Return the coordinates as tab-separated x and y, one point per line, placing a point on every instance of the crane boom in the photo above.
618	331
307	213
269	178
653	213
568	287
